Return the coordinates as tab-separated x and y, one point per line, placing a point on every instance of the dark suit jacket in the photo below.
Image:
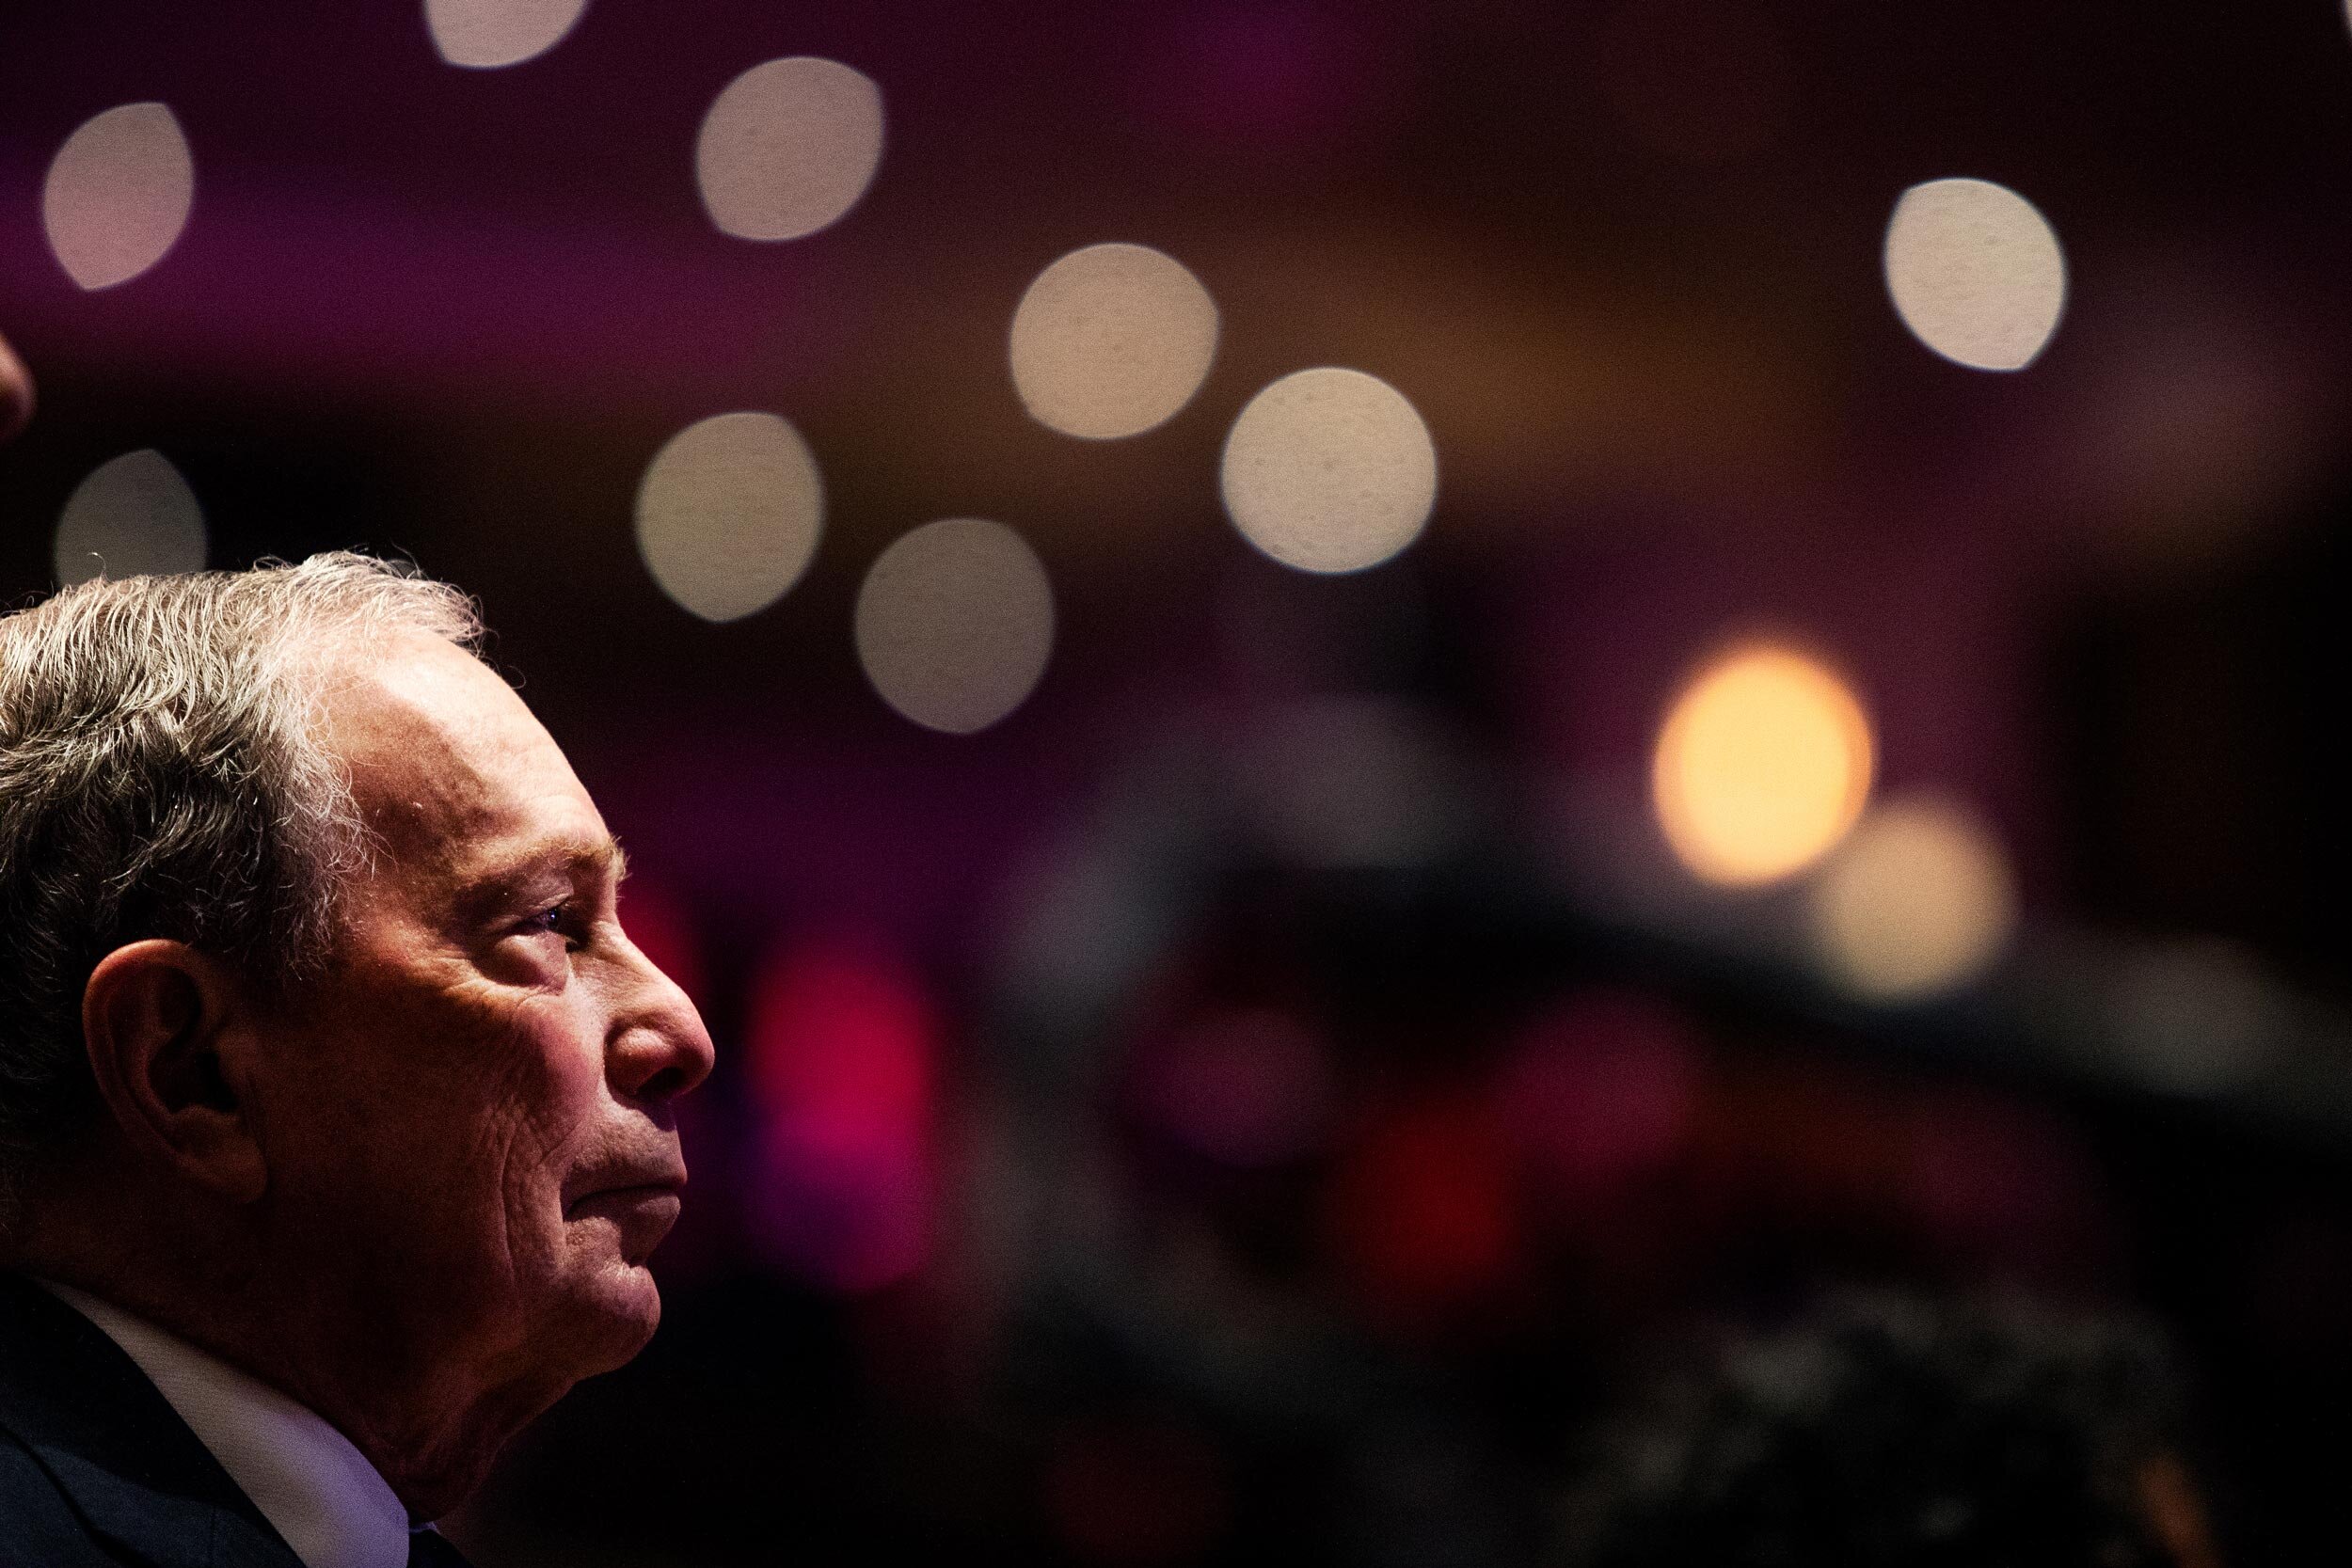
96	1468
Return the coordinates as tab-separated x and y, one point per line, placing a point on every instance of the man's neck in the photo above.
316	1489
428	1433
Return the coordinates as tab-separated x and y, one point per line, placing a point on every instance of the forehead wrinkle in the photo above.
424	785
450	769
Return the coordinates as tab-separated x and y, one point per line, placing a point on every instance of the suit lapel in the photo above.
120	1454
154	1526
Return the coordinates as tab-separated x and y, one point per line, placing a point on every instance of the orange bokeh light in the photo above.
1763	765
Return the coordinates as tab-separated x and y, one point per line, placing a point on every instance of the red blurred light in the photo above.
1421	1211
842	1043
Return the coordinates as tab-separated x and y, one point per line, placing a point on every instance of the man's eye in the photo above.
556	918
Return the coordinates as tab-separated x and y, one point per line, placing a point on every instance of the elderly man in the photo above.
336	1108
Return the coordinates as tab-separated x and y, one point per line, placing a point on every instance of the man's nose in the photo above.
659	1048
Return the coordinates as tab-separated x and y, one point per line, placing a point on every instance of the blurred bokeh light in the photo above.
842	1073
789	147
1421	1209
1111	340
1359	781
1763	764
483	35
132	517
1330	471
1246	1086
16	392
953	624
1917	901
729	513
1976	272
118	193
2201	1015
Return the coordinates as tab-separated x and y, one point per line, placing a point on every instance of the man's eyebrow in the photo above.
604	855
574	859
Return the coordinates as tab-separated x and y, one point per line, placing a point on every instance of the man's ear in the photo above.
165	1026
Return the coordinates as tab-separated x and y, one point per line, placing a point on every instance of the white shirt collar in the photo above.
320	1492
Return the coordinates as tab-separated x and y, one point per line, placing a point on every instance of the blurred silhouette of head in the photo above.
1882	1430
16	392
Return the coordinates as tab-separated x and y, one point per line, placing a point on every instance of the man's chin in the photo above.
624	1305
614	1300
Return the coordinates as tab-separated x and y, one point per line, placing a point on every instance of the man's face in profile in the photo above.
471	1134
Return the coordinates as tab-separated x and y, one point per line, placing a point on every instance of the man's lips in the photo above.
640	1213
628	1190
631	1193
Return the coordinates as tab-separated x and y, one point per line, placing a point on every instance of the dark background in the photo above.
948	1282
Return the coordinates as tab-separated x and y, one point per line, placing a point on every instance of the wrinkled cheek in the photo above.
549	1095
529	1176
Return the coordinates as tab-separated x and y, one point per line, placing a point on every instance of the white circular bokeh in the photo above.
483	35
955	622
1975	271
728	513
1919	900
118	193
1111	340
1330	471
789	147
132	517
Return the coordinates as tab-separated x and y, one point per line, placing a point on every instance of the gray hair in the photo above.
161	775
